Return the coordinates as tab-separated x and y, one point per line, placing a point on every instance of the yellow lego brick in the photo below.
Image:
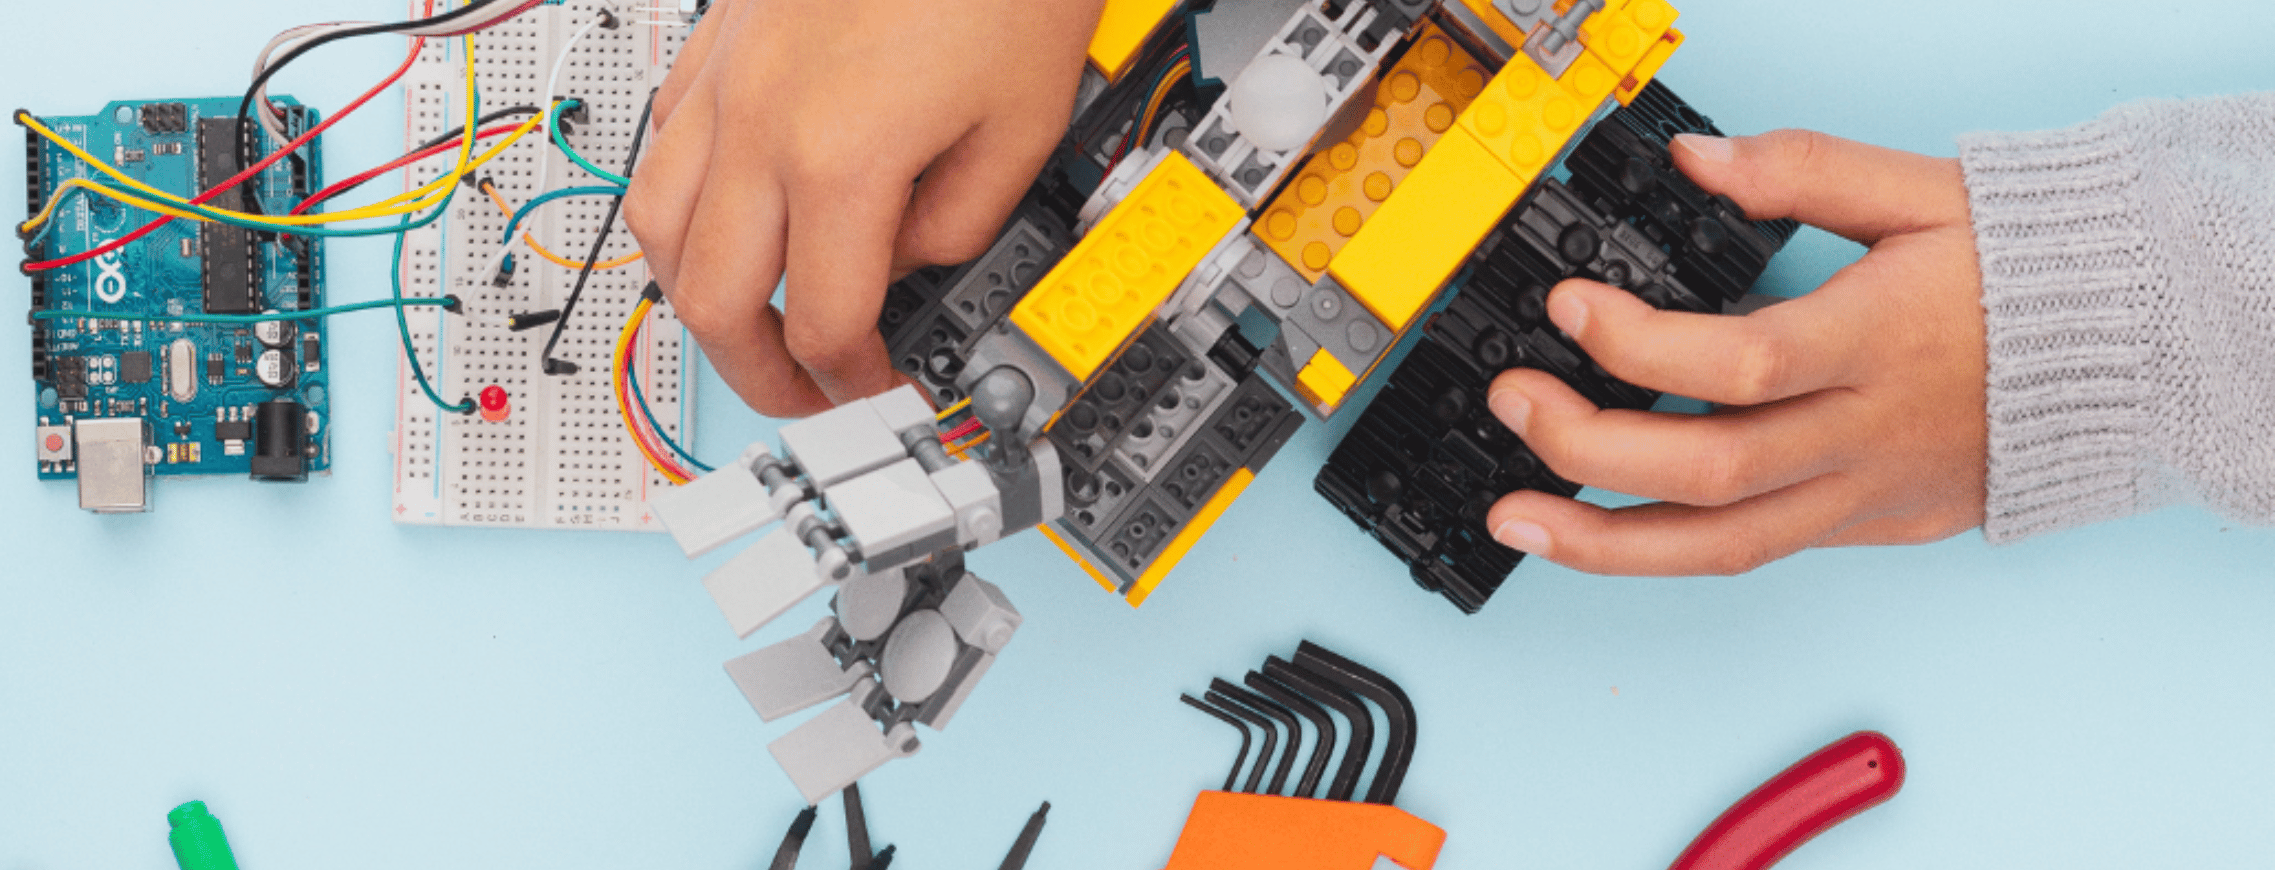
1324	380
1415	242
1188	536
1076	555
1123	29
1337	189
1648	68
1109	284
1623	34
1524	118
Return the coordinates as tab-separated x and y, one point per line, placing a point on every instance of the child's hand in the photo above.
1851	415
791	137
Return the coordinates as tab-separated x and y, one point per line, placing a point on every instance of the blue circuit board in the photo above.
216	399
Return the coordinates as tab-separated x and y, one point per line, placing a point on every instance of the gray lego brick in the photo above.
907	300
1254	423
1033	493
1496	50
1133	539
1526	14
1096	498
931	352
1226	38
1174	415
890	508
1401	14
1125	519
913	551
1196	472
841	442
1245	431
902	409
1268	281
985	292
1333	321
981	614
1119	398
971	494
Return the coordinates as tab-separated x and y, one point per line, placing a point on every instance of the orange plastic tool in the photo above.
1229	831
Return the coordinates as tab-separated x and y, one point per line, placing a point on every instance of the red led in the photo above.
495	406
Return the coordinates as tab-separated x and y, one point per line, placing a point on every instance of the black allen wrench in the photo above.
1275	712
1305	688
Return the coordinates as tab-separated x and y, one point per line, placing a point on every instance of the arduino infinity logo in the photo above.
110	278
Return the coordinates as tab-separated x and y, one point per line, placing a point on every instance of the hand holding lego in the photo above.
837	144
1852	415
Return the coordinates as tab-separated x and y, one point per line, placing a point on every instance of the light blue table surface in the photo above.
349	693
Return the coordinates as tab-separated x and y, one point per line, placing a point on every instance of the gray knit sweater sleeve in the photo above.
2129	303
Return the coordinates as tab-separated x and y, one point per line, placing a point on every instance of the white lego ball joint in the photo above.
1278	102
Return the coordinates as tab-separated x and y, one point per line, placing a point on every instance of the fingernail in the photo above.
1521	535
1513	409
1712	149
1569	312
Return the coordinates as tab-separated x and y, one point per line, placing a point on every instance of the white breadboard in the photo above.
562	459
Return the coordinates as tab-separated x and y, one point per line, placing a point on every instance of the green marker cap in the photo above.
197	839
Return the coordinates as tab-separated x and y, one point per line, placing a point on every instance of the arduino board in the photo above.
121	398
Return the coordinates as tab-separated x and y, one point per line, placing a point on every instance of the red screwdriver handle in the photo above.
1821	791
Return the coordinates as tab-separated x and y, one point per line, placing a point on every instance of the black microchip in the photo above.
215	367
134	367
233	430
244	354
232	254
71	377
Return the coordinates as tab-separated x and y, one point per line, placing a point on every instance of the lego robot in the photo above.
1255	204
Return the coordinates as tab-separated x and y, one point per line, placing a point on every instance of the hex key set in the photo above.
1257	821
